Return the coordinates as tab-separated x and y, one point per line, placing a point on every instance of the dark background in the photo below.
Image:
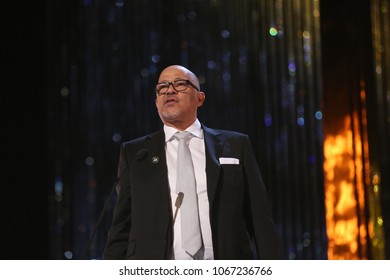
24	203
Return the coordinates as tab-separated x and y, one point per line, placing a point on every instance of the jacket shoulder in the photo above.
225	133
141	140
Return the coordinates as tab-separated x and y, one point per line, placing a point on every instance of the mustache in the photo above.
171	98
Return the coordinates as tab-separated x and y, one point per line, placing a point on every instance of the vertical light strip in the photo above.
381	56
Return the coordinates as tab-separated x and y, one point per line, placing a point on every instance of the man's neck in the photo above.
181	126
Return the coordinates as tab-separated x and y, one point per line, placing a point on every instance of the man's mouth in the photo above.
170	100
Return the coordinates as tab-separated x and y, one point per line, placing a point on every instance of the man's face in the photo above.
178	109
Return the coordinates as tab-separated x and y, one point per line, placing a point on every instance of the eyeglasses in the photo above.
178	85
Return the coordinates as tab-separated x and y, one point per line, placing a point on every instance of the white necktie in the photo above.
190	228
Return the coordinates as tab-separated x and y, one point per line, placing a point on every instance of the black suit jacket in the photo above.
240	215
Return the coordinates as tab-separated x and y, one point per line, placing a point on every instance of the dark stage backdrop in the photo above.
259	64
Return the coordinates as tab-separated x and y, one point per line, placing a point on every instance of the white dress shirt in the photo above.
197	148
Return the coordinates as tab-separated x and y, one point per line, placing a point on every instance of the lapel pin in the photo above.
155	160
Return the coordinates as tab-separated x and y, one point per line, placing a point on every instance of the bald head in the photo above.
187	74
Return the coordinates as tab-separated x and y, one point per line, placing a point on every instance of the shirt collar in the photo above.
195	129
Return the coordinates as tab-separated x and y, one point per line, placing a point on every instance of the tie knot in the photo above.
182	135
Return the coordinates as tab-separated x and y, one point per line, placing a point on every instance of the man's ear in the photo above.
201	98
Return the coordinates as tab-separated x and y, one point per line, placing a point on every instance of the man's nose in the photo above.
171	90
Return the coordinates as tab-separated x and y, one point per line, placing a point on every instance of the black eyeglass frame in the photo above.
189	83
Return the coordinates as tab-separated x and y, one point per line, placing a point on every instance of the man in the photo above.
233	219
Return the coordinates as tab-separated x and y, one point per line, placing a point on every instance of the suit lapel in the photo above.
214	148
155	145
